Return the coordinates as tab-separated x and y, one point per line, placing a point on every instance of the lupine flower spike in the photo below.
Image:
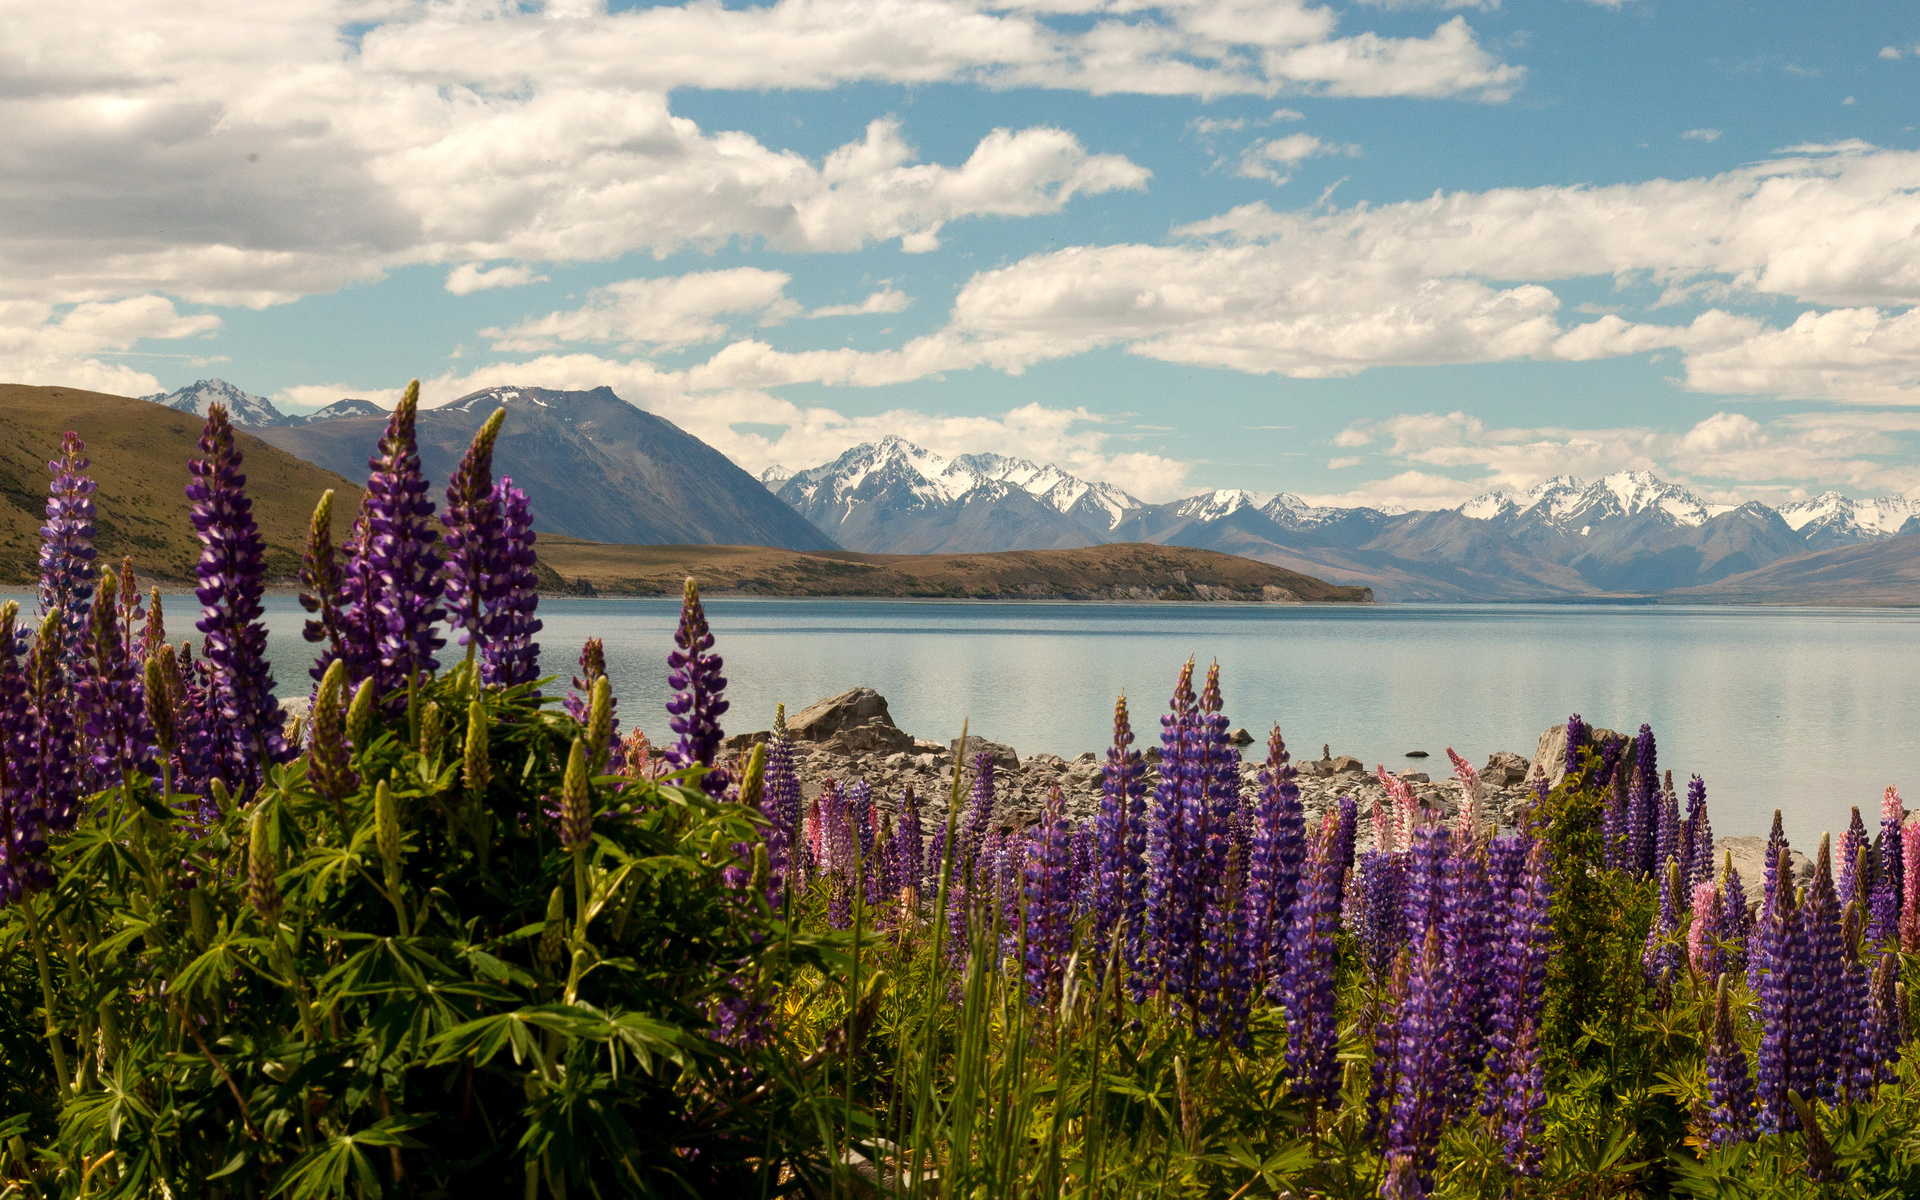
66	547
697	704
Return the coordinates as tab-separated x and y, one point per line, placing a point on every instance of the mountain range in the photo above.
254	412
1630	533
594	466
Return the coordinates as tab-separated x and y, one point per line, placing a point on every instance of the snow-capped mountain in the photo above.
1835	520
243	408
892	496
340	409
1567	504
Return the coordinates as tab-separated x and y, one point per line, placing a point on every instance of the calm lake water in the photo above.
1807	710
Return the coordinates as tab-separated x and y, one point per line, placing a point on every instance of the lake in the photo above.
1807	710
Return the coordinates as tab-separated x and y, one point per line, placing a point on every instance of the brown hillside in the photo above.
139	452
1883	572
1128	571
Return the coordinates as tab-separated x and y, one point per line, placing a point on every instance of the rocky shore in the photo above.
852	737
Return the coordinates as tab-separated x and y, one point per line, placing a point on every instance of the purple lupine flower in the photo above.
1667	833
1706	933
697	706
1729	1087
1422	1070
1313	1035
1577	739
1519	974
974	826
910	840
56	732
129	608
1615	821
1659	957
1760	945
1380	916
1346	835
245	736
578	703
393	585
1737	927
1882	1028
1211	808
1854	985
1699	833
23	836
1083	873
1176	886
1277	846
1470	956
1821	1043
1384	1081
511	657
1610	751
1643	818
1781	996
1889	882
1225	975
1526	1098
109	696
1848	859
66	545
1049	894
475	578
860	816
780	803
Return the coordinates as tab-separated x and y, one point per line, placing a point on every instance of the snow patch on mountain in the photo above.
243	408
1880	517
938	480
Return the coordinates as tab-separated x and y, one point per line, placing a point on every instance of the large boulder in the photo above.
854	722
1550	756
1004	757
1750	859
1505	768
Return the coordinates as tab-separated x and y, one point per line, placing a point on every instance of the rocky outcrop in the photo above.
1550	756
856	722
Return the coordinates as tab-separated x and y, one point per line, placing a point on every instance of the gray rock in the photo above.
1505	768
1240	737
1551	754
1750	859
743	741
854	722
1004	757
294	712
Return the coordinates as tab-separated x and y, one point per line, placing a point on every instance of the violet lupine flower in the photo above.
1615	816
1738	928
472	519
1577	739
1853	984
1667	834
860	816
1513	1081
1910	893
1173	893
697	706
1083	875
245	736
1848	858
1526	1096
1470	959
1610	751
110	697
1278	845
1049	895
1384	1083
23	837
1706	932
1313	1035
1225	974
1380	919
1699	833
511	657
1781	997
1762	945
1820	1042
1423	1069
396	595
910	841
1884	906
1660	956
578	703
1729	1087
974	826
66	543
1882	1028
1211	808
1642	816
780	803
1347	813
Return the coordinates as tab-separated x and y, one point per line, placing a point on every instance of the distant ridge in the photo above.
139	453
594	466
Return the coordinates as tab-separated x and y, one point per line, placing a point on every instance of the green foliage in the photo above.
457	1007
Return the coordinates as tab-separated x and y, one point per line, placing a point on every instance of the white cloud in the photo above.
1702	135
1342	462
1889	52
668	313
468	278
886	300
39	346
1273	159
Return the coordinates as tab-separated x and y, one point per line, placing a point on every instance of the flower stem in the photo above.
39	942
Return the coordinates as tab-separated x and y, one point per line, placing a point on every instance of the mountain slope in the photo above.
1112	572
594	466
1885	571
139	452
243	408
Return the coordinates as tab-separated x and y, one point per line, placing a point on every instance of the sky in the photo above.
1390	253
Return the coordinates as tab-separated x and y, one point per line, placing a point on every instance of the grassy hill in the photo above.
139	452
1127	571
